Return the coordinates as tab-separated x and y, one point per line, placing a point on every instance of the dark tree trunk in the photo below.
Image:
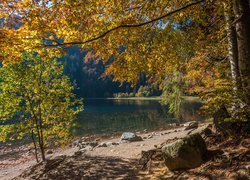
242	14
34	143
40	131
42	151
42	142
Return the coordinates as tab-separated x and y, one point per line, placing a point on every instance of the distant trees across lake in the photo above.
89	82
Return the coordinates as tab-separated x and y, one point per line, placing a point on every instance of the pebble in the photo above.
49	152
150	136
98	139
102	145
115	143
109	144
123	141
233	175
78	153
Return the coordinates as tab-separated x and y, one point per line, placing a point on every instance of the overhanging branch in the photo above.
126	26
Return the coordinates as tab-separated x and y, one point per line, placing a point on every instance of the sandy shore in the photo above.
14	162
133	150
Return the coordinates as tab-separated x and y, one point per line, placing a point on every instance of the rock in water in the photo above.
191	125
131	137
185	153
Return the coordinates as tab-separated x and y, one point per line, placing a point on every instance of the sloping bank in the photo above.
164	154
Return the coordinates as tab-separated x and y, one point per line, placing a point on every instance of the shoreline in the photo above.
153	98
11	166
123	160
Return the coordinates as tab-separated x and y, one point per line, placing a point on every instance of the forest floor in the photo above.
228	159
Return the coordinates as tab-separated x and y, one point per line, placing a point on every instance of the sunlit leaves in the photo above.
36	88
185	42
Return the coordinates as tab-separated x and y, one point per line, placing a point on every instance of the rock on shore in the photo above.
185	153
131	137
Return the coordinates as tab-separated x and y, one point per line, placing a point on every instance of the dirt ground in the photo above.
121	161
13	161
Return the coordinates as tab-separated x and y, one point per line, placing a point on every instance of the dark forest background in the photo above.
89	82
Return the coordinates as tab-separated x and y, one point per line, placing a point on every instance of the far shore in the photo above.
154	98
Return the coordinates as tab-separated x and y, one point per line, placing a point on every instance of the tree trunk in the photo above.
40	113
40	131
233	56
36	126
42	141
34	142
42	151
242	14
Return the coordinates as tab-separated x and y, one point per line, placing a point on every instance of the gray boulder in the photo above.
131	137
185	153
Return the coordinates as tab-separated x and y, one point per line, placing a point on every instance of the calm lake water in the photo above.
111	115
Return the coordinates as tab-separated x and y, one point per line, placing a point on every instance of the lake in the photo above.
106	116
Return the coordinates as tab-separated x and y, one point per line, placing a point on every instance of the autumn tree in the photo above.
36	101
136	35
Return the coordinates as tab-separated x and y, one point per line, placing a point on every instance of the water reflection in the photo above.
108	115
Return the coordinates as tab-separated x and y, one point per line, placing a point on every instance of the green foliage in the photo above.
150	37
36	99
212	82
144	91
173	93
220	94
131	94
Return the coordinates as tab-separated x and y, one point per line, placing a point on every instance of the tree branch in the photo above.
126	26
